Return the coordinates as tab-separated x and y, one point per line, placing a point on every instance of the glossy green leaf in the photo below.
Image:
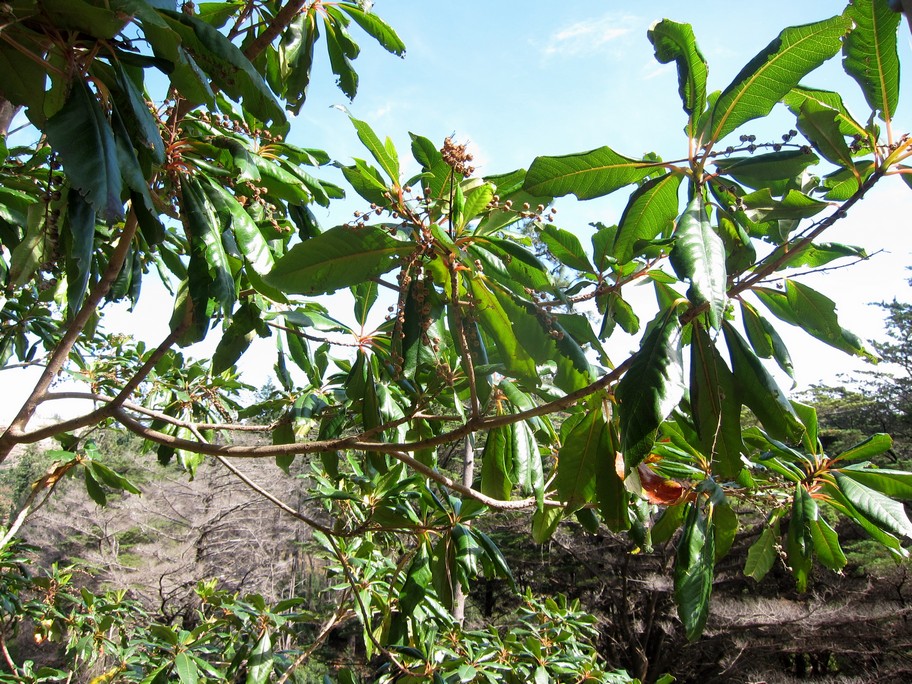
250	240
821	125
586	175
340	62
79	244
715	405
186	669
762	555
259	665
885	512
870	54
770	170
764	339
826	545
209	271
375	27
800	543
140	121
226	65
870	447
896	484
650	389
699	258
762	206
651	211
90	158
806	308
841	502
757	390
566	248
495	469
498	562
778	68
296	56
339	257
385	155
498	325
95	491
796	98
843	183
725	529
674	41
693	571
578	458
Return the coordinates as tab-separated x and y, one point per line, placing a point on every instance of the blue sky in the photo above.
519	79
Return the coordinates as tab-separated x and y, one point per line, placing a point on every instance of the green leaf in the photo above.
650	211
762	206
896	484
375	27
650	389
566	248
186	668
296	54
497	323
806	308
771	170
209	271
79	242
764	339
693	571
259	665
89	158
762	555
24	79
826	545
495	469
674	41
715	405
758	390
870	55
250	240
778	68
821	125
699	258
800	541
870	447
498	562
339	257
577	460
226	65
885	512
336	45
384	154
94	489
798	96
141	121
586	175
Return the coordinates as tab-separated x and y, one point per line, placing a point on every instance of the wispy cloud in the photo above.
590	35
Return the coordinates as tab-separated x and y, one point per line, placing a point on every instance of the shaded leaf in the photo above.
650	211
693	571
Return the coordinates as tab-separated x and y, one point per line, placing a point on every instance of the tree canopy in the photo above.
160	152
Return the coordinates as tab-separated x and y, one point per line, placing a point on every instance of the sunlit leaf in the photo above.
870	54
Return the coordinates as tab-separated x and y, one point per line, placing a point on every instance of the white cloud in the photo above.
590	35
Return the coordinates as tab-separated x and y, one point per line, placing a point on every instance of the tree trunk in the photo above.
7	111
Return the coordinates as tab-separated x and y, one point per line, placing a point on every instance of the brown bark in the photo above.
7	112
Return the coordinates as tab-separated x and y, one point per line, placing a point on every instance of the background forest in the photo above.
505	464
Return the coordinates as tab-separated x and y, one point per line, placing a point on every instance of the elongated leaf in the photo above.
79	243
375	27
586	175
806	308
566	248
885	512
246	233
795	100
674	41
495	470
650	390
141	121
186	669
896	484
715	405
498	325
870	55
209	271
841	503
494	555
226	65
89	158
296	53
24	78
764	339
800	540
762	555
826	545
577	460
650	211
339	60
771	170
872	446
693	572
758	390
777	69
821	125
259	665
384	154
699	258
339	257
